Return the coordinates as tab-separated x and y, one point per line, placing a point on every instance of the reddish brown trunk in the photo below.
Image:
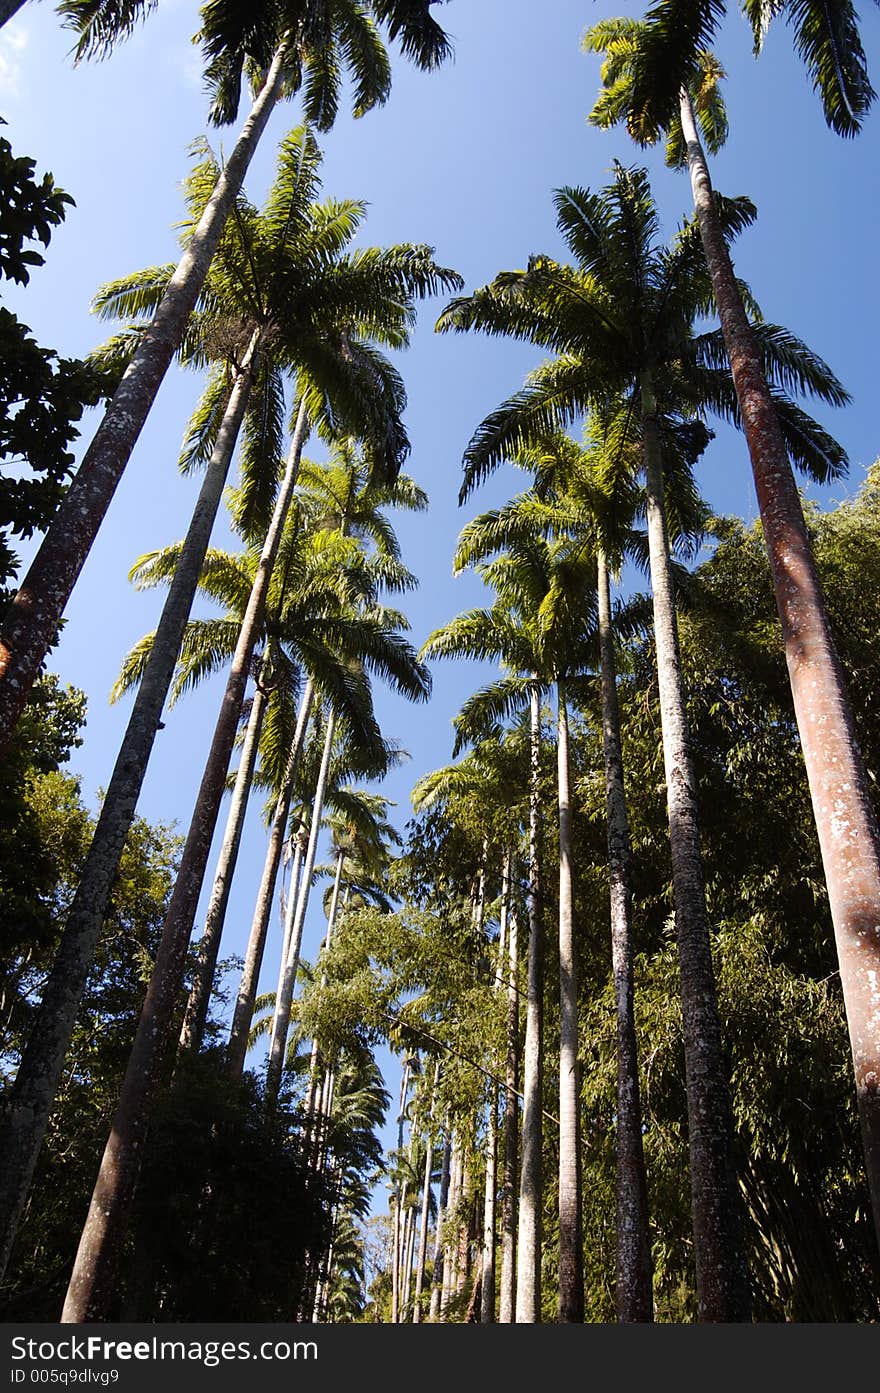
722	1278
634	1288
32	619
845	823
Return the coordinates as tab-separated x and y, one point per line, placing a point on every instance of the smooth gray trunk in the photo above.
571	1258
31	620
839	790
29	1102
299	905
93	1279
236	1049
634	1287
528	1268
196	1013
722	1277
507	1296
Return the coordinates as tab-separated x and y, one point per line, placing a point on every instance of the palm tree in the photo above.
675	37
348	497
588	494
310	625
621	323
98	1249
304	285
541	628
281	48
640	63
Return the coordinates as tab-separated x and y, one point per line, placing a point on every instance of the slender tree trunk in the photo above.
437	1267
845	823
408	1248
466	1206
450	1244
32	1096
722	1277
236	1050
32	619
92	1281
196	1013
507	1303
528	1271
571	1243
487	1289
634	1287
426	1209
287	979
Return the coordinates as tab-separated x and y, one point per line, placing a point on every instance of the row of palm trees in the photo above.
274	297
282	283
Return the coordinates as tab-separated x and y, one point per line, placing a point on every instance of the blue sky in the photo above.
465	159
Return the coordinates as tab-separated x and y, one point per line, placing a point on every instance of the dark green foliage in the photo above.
812	1253
42	396
225	1214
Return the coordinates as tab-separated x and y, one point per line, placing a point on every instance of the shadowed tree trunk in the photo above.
290	960
437	1268
487	1288
528	1271
32	619
27	1110
634	1291
196	1012
92	1281
450	1244
236	1050
426	1208
571	1280
507	1302
847	830
722	1278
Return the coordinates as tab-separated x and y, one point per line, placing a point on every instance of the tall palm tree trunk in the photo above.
437	1270
722	1278
31	621
487	1286
91	1284
634	1288
426	1207
845	823
571	1243
290	962
507	1297
409	1233
466	1209
196	1012
450	1244
236	1050
528	1269
27	1109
